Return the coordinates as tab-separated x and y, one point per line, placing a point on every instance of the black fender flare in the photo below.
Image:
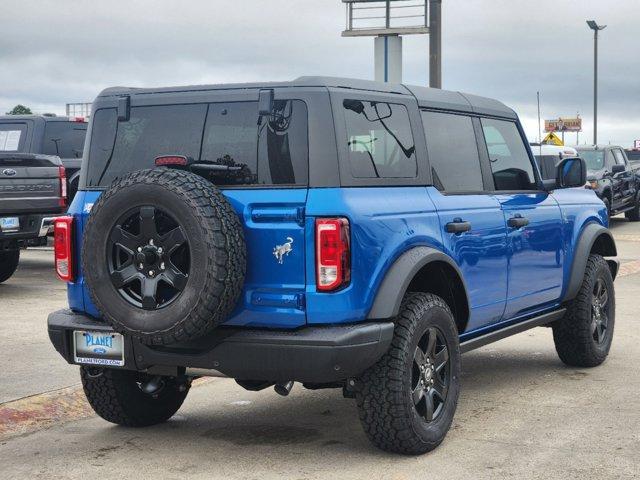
398	277
591	234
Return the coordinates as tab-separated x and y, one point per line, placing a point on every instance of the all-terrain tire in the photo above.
633	215
388	413
9	260
116	396
574	336
215	239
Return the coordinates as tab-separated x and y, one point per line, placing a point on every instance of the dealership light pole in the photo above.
596	28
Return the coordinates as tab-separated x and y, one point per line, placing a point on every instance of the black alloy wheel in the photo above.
431	374
600	312
148	258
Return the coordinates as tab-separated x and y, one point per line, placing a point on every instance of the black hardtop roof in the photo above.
426	97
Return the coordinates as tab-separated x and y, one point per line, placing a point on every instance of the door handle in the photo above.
518	221
458	226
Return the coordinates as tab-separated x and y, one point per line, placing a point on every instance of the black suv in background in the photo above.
614	179
46	135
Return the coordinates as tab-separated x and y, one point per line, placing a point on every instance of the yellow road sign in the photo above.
552	139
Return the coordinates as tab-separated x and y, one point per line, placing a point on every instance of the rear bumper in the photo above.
319	354
31	226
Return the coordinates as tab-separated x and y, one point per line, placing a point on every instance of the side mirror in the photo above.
571	173
617	168
265	102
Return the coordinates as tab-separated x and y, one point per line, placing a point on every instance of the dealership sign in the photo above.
563	125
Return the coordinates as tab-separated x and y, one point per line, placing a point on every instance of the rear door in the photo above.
270	197
266	184
533	218
471	221
624	180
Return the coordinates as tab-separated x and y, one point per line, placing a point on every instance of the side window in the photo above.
379	140
272	150
610	160
150	132
453	152
510	164
618	156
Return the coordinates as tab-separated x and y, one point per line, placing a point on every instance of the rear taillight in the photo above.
333	255
62	245
63	186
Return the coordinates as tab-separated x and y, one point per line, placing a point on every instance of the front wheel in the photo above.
9	260
408	398
633	215
583	336
118	396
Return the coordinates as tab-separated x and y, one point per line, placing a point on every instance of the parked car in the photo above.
334	232
548	156
33	192
47	135
633	155
613	178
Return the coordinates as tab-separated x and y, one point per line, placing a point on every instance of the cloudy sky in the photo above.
58	51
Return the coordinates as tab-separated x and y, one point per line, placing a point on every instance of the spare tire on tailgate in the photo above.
164	256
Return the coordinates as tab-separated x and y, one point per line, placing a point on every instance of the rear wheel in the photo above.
583	337
9	260
407	400
118	396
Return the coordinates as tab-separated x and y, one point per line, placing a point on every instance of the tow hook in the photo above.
283	388
153	386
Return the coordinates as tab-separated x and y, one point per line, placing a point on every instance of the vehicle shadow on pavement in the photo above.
308	420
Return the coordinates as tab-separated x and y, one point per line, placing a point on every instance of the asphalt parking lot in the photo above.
522	413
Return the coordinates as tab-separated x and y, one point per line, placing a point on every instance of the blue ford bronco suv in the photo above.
333	232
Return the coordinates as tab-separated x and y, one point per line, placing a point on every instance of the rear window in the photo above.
64	139
12	137
271	150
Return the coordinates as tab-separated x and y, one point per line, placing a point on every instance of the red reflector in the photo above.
62	247
171	160
63	186
333	255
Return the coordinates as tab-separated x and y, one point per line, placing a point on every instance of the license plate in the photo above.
98	348
9	223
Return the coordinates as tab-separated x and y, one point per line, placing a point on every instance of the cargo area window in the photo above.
268	150
453	152
379	140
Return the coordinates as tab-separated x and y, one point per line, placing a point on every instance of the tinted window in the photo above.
453	152
150	132
619	157
12	137
379	139
233	136
271	151
65	139
510	164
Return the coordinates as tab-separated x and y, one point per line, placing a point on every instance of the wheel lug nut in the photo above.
162	266
140	266
151	273
139	249
160	250
151	241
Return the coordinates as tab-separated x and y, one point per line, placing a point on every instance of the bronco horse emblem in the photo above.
281	250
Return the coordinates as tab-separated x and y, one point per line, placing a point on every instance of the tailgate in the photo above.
29	183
